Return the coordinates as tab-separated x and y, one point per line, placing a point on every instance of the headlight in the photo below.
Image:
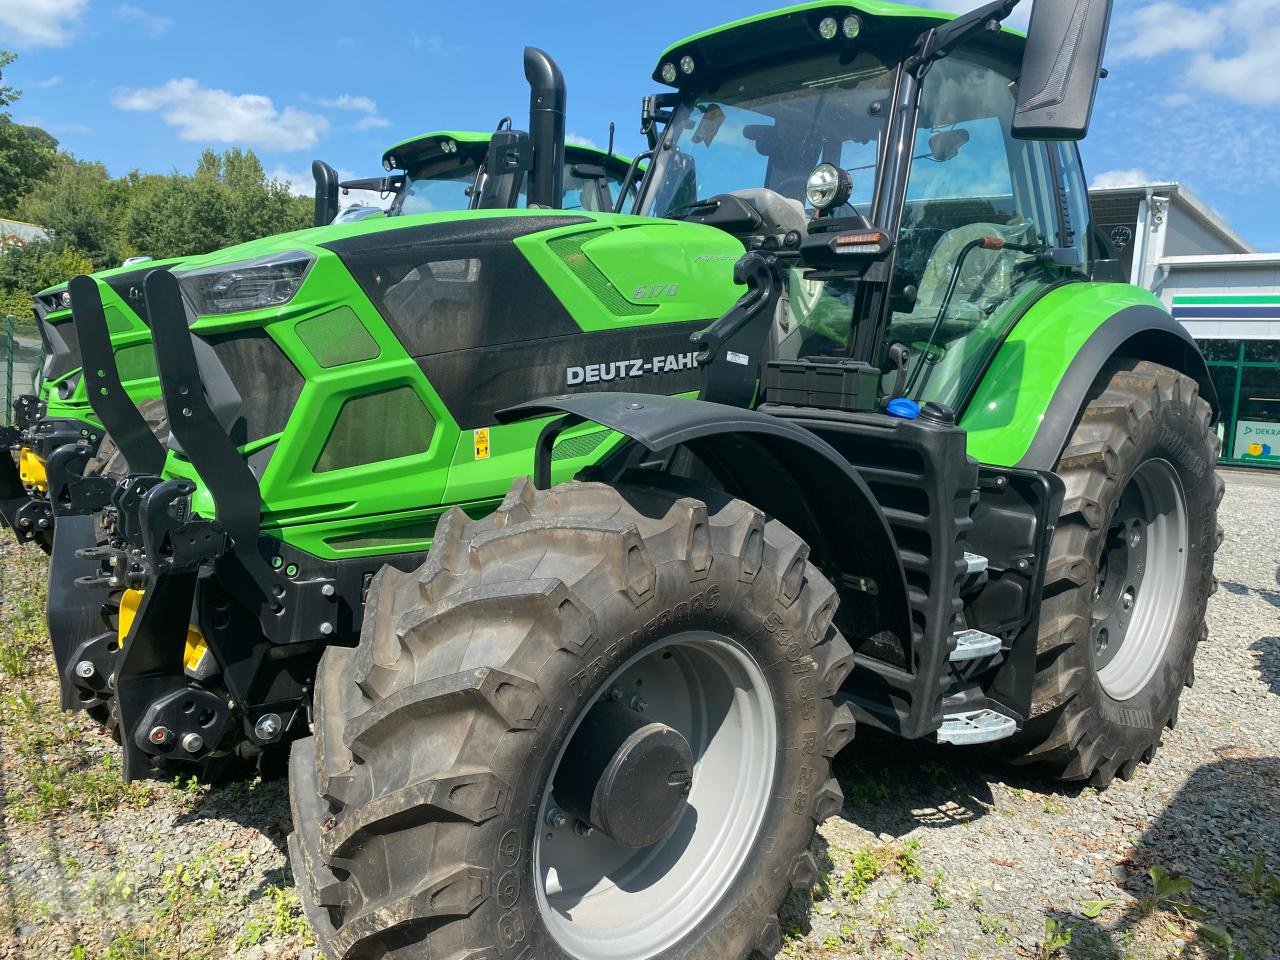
65	299
828	186
252	285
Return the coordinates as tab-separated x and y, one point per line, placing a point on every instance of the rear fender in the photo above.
1031	395
784	470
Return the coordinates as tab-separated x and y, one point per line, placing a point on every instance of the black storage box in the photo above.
827	384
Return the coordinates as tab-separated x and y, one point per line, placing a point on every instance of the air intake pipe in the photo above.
546	128
326	192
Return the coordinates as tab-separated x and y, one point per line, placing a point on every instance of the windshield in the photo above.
768	130
444	191
951	299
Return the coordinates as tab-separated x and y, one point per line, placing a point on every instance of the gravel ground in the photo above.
939	854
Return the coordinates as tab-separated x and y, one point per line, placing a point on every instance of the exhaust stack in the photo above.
546	128
326	192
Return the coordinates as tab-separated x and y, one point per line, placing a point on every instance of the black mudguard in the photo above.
783	469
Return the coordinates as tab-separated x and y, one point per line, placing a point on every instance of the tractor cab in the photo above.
440	172
913	224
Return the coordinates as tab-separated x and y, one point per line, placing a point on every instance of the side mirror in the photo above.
506	164
326	192
946	145
1060	69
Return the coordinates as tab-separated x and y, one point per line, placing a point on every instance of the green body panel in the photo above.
863	8
1010	402
391	506
651	271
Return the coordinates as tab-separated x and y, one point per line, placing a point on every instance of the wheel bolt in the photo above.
192	743
1100	643
267	727
615	693
85	669
638	704
1126	600
160	735
556	819
1135	539
326	628
583	829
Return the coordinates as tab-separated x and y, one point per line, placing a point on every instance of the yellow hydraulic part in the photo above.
194	652
31	470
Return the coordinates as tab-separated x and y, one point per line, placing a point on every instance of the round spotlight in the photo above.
828	187
828	28
851	27
686	64
668	73
388	163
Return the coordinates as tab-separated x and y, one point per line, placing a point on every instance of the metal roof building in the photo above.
1226	294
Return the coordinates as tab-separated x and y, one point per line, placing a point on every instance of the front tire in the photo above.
1130	572
427	806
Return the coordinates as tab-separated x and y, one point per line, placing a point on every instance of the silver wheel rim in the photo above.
1137	601
602	901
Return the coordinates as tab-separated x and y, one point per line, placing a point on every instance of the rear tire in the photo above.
421	803
1140	511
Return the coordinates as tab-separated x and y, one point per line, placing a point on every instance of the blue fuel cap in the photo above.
903	409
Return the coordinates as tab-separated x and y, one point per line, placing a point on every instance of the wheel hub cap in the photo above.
626	776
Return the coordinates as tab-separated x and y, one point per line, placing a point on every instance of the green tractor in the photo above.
937	471
431	172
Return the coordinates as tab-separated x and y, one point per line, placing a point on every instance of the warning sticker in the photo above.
482	443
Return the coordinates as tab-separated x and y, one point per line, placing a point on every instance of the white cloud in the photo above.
54	126
371	122
1231	45
153	23
432	44
581	141
1164	27
204	115
1113	179
48	82
347	102
40	23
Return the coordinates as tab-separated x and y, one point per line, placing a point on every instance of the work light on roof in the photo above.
851	27
828	28
668	72
686	64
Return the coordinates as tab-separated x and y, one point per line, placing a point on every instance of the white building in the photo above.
1223	292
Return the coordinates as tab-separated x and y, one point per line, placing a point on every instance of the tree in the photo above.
29	269
26	153
76	202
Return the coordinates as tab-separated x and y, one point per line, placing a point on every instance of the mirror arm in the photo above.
937	42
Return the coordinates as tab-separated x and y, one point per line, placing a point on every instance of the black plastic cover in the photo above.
1060	69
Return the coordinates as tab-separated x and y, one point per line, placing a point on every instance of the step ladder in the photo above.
974	645
975	726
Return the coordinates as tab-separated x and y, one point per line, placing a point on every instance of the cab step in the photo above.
975	726
974	645
975	563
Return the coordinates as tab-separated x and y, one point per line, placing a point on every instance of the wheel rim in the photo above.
603	901
1140	582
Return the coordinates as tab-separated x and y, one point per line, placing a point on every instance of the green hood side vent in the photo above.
569	249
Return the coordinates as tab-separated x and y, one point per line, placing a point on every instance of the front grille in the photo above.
64	348
266	385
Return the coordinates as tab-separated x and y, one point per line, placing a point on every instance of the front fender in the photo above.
1031	395
781	468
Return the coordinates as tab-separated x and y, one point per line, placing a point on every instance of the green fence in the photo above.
21	358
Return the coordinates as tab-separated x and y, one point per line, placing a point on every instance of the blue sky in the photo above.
1194	92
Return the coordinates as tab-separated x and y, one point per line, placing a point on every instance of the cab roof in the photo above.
793	29
430	145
